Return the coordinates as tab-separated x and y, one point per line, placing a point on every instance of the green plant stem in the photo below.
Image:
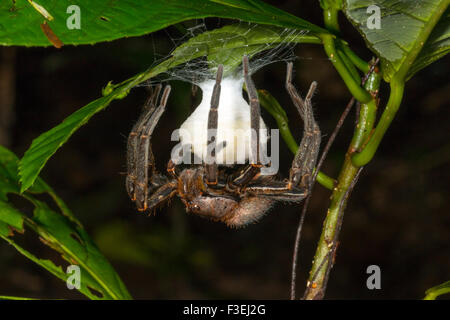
325	180
354	87
362	65
349	65
330	18
395	99
317	275
327	242
367	115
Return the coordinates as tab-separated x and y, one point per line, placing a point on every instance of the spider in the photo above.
233	196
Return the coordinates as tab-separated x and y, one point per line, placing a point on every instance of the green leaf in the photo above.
15	298
46	144
437	45
433	293
59	230
10	215
412	34
214	43
20	21
228	44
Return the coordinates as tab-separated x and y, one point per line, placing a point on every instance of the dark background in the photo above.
397	216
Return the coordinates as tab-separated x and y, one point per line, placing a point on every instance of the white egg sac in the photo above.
233	125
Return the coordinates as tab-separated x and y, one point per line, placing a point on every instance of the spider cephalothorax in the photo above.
236	197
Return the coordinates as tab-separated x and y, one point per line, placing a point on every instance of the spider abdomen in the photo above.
235	213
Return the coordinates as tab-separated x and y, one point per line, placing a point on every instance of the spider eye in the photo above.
193	206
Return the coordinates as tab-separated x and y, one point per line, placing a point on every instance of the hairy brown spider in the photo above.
234	197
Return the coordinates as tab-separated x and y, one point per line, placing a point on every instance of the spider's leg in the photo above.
255	111
162	194
172	169
152	99
276	190
245	175
144	159
304	161
133	140
249	172
211	165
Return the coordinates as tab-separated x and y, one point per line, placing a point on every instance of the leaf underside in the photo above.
403	26
20	22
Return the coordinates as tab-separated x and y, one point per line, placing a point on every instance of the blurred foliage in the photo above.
60	231
159	251
433	293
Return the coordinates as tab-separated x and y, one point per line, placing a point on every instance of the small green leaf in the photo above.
46	144
433	293
412	33
206	44
108	89
60	231
20	22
